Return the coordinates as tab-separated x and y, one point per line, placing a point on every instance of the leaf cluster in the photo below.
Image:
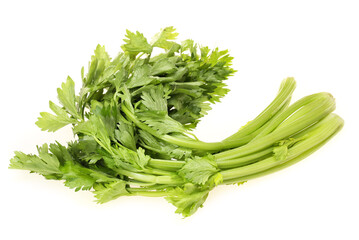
125	109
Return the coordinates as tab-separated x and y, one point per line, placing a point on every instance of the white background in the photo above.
317	42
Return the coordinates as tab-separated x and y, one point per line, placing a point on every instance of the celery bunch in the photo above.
133	120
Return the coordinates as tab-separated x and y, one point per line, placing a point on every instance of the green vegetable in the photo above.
133	120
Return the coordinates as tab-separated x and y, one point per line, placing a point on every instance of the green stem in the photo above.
188	143
316	138
137	122
146	193
172	180
156	171
281	166
248	138
255	157
195	144
173	165
170	165
285	93
280	118
245	135
303	118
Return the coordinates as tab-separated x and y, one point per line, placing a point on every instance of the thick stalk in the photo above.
175	165
172	165
303	118
328	127
281	166
241	161
280	118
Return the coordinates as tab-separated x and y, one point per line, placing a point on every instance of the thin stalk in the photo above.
139	184
137	122
255	157
146	193
188	143
247	138
195	144
155	171
157	187
285	93
169	165
172	180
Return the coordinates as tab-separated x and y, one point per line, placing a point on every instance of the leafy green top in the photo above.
168	93
126	113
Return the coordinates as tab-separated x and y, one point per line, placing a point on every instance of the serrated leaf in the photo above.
136	43
140	77
160	121
99	62
79	177
162	38
187	44
45	164
187	199
162	149
163	66
199	169
135	160
50	122
66	96
125	134
142	159
110	191
155	99
95	127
